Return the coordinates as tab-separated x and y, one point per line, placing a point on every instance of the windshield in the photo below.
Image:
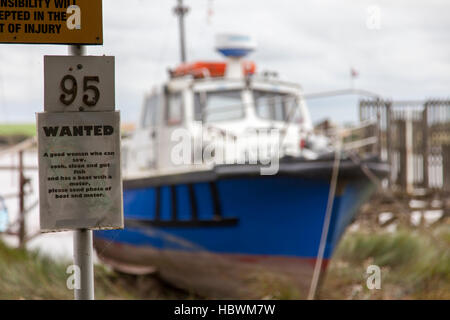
276	106
219	105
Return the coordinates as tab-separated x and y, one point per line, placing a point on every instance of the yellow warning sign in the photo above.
51	21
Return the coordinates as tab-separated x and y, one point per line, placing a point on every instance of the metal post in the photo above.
82	239
82	256
77	50
180	10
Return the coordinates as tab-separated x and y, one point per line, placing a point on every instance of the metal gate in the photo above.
414	137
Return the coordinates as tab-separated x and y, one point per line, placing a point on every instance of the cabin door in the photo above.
172	127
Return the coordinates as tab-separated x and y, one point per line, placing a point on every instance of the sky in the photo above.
401	49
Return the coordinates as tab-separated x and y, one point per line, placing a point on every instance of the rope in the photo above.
366	170
326	223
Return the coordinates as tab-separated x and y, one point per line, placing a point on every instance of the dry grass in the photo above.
415	264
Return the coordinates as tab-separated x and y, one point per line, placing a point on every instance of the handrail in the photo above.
341	92
24	145
360	143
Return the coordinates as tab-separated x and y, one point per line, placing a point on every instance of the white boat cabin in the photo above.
216	113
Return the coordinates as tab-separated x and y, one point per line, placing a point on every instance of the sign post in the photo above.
80	185
82	239
82	257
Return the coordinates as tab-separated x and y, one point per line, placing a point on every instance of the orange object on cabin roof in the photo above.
210	69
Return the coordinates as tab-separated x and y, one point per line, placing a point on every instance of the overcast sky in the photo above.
312	42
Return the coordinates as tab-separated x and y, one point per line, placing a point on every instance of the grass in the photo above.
415	264
22	129
30	275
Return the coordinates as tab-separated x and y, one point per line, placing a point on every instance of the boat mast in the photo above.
181	10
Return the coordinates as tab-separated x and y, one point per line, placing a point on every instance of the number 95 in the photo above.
69	87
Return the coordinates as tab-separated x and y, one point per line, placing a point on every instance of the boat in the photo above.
227	187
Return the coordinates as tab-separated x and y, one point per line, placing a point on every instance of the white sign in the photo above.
80	184
74	83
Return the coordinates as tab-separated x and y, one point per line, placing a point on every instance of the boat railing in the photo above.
362	138
255	78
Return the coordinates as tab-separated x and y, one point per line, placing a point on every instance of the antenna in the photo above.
180	10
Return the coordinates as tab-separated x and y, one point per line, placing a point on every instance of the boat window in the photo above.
174	110
151	107
276	106
218	105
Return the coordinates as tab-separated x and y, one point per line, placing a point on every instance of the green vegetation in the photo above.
30	275
415	264
24	129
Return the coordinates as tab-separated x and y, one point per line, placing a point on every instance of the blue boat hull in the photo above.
225	230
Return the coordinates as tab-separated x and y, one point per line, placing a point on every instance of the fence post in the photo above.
446	166
403	165
388	138
377	132
22	226
362	104
409	143
425	145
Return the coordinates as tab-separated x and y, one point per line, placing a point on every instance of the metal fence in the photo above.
414	137
18	227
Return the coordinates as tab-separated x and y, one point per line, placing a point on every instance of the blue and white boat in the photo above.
226	184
